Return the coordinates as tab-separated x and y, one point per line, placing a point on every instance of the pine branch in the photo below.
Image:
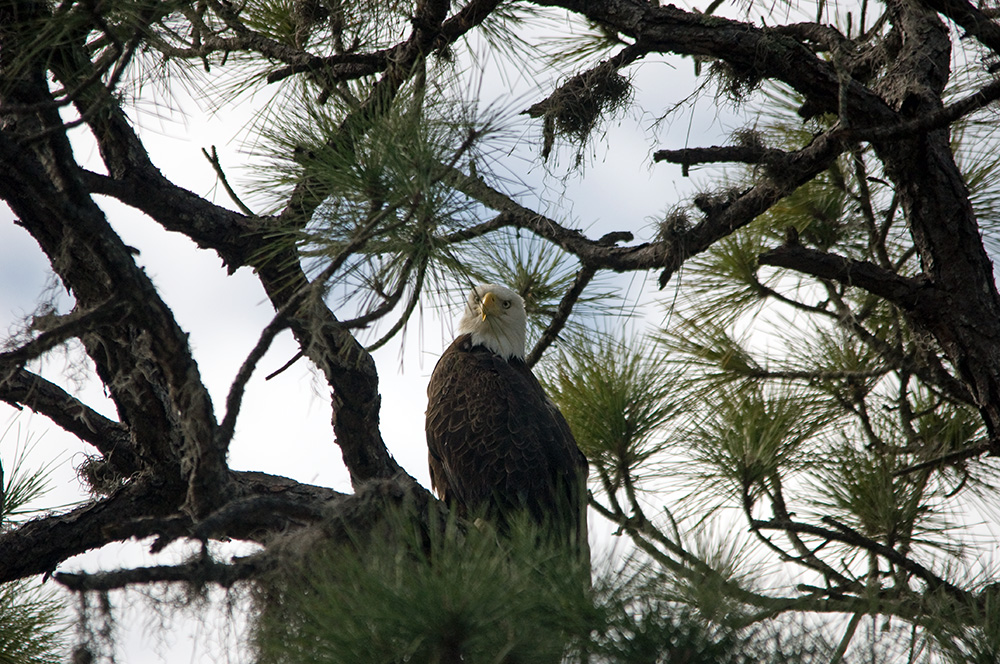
907	293
563	311
697	572
744	154
339	67
936	119
764	51
111	438
979	448
806	555
411	305
430	33
148	506
40	545
847	535
972	19
197	573
213	159
59	329
224	432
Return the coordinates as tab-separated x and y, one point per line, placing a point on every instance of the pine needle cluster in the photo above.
450	594
31	618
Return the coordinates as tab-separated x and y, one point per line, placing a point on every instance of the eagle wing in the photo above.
497	443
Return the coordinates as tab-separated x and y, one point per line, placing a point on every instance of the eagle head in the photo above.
495	317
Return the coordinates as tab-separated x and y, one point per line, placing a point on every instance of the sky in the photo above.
284	427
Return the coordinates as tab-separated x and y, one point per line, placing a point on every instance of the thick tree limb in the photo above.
756	52
148	506
351	373
936	119
39	546
335	517
146	363
744	154
913	295
972	19
936	202
668	255
230	234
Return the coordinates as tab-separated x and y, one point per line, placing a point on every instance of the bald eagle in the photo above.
496	443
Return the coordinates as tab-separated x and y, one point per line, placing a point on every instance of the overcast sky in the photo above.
284	426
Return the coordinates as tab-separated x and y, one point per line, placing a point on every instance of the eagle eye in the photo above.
506	304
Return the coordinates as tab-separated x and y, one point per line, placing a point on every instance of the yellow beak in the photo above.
488	303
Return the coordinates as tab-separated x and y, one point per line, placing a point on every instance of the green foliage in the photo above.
646	627
441	596
808	406
31	629
391	168
708	353
817	411
977	641
20	488
864	489
751	438
385	194
448	595
726	279
616	396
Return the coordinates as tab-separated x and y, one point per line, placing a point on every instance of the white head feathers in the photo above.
495	317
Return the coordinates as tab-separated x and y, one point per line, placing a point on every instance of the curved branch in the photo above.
759	52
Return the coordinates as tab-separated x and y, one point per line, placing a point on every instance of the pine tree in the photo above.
799	450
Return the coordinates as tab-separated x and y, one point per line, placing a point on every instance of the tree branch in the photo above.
907	293
201	571
226	428
38	546
213	159
58	329
847	535
972	19
977	449
111	438
756	52
744	154
583	277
